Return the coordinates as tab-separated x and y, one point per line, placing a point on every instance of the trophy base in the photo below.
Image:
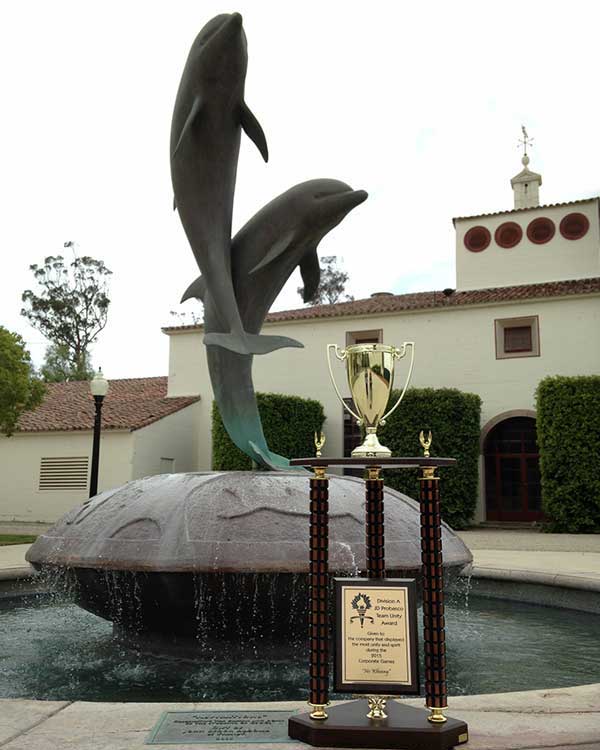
405	727
371	448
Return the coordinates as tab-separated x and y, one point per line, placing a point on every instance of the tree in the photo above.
332	284
71	309
183	319
57	368
20	389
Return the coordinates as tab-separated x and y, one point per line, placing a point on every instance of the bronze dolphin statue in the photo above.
209	114
282	235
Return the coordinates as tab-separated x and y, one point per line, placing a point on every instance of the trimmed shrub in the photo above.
289	424
568	430
454	420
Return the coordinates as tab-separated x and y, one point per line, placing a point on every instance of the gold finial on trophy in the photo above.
425	442
377	705
319	443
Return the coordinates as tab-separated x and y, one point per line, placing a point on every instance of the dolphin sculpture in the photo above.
209	114
282	235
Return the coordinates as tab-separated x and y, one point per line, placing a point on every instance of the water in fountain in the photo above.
51	649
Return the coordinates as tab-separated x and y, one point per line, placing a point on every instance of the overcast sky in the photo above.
420	104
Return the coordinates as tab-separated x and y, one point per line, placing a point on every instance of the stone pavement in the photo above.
571	560
23	527
13	563
567	560
535	720
529	541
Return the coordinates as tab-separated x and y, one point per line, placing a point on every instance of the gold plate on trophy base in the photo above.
405	727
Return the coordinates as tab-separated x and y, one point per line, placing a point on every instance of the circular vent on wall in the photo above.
574	226
541	230
508	234
477	239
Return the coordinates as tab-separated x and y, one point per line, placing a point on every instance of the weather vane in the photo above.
525	141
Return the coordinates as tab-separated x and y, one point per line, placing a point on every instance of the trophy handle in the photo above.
341	355
398	354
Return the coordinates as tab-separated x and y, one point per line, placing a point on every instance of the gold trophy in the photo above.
370	372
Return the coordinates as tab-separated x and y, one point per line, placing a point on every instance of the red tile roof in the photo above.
129	405
530	208
382	304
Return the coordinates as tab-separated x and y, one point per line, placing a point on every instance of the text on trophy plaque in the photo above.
376	636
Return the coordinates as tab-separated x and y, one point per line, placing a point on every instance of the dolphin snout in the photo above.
359	196
235	20
352	198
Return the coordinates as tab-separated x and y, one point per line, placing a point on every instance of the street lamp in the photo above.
99	389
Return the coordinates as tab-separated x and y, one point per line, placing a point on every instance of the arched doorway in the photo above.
512	471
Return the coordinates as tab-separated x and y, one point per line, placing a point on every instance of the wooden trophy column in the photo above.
318	591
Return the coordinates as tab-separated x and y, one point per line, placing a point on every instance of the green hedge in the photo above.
289	424
454	420
568	430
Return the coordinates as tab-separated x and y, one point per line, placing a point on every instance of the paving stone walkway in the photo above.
536	720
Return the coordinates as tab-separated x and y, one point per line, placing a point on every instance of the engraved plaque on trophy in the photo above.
376	636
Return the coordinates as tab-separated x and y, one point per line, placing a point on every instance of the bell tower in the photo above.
526	184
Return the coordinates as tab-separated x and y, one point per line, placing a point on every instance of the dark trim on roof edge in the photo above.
536	294
521	210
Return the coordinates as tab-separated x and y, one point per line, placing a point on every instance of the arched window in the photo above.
512	472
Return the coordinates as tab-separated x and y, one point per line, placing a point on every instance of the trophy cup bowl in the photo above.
370	373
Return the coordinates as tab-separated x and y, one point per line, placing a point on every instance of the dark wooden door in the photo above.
512	472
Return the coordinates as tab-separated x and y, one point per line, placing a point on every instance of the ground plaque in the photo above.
220	727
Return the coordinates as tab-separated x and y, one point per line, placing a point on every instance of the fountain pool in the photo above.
51	649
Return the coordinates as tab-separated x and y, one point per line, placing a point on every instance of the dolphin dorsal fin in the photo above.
310	270
279	247
196	290
253	130
193	114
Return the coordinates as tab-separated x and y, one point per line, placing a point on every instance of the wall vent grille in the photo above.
64	473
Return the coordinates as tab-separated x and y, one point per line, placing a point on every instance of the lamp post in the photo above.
99	389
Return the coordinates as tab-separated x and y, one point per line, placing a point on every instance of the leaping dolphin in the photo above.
283	234
205	140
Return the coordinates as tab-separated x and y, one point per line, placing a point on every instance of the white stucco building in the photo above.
45	465
526	305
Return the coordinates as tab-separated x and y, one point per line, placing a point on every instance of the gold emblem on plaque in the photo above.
370	373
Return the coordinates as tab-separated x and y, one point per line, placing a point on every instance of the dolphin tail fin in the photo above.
268	459
249	343
196	289
253	130
274	461
271	460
